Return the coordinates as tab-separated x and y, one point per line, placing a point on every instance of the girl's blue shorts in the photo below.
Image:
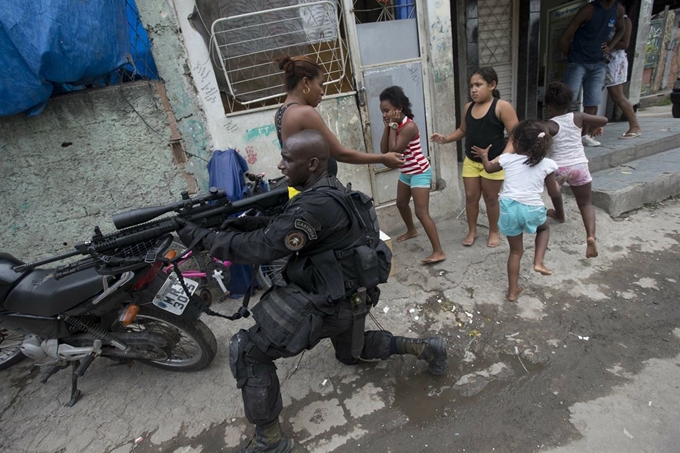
517	218
420	181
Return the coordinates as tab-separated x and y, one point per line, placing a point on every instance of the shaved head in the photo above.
306	144
304	157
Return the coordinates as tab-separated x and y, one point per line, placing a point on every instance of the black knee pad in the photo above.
255	375
237	364
246	361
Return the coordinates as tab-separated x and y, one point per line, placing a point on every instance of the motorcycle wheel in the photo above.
191	345
10	347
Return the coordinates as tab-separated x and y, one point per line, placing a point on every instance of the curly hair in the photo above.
395	95
489	75
297	68
532	139
559	95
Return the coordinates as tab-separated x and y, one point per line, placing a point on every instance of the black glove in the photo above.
190	231
244	224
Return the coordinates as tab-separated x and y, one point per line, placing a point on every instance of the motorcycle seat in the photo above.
38	293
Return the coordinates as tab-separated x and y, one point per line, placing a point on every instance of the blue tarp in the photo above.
143	64
52	42
227	170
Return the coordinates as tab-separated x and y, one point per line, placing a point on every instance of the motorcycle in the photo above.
116	302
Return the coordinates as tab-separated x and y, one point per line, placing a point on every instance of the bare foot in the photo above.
470	238
542	269
512	297
434	258
553	215
407	235
494	240
591	248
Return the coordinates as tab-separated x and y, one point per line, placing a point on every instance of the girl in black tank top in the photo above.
480	133
332	163
485	131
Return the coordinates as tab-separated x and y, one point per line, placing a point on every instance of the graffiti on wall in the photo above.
251	155
205	83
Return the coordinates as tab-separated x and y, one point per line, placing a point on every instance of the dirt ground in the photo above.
586	361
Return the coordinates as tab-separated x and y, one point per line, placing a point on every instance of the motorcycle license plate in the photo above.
171	297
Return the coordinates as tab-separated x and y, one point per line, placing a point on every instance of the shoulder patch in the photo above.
295	240
303	225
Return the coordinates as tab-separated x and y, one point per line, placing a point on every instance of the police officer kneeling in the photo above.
324	298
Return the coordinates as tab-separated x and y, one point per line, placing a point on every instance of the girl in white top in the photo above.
568	152
527	171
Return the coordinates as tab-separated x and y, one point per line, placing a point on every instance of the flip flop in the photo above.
628	135
426	261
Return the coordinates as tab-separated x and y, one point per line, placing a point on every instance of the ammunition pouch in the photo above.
384	261
291	318
367	266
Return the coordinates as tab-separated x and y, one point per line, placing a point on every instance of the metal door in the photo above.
385	50
497	42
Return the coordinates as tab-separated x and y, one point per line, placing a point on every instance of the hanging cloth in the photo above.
227	169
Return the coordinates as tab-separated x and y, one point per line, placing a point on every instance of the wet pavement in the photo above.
586	360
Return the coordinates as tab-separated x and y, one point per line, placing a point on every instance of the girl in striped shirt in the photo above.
401	136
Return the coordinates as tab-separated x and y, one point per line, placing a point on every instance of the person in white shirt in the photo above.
527	171
567	151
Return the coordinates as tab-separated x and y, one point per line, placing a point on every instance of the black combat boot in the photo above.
269	439
432	350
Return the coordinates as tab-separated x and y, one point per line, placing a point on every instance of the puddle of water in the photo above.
209	440
425	398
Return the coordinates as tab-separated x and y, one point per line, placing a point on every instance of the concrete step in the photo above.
655	99
637	182
658	135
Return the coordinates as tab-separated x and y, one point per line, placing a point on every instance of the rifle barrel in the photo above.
33	265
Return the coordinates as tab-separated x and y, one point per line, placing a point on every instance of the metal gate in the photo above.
498	42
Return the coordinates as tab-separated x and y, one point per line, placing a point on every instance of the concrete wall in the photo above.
87	156
439	48
169	51
636	72
91	154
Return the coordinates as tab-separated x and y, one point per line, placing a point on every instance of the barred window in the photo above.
245	42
